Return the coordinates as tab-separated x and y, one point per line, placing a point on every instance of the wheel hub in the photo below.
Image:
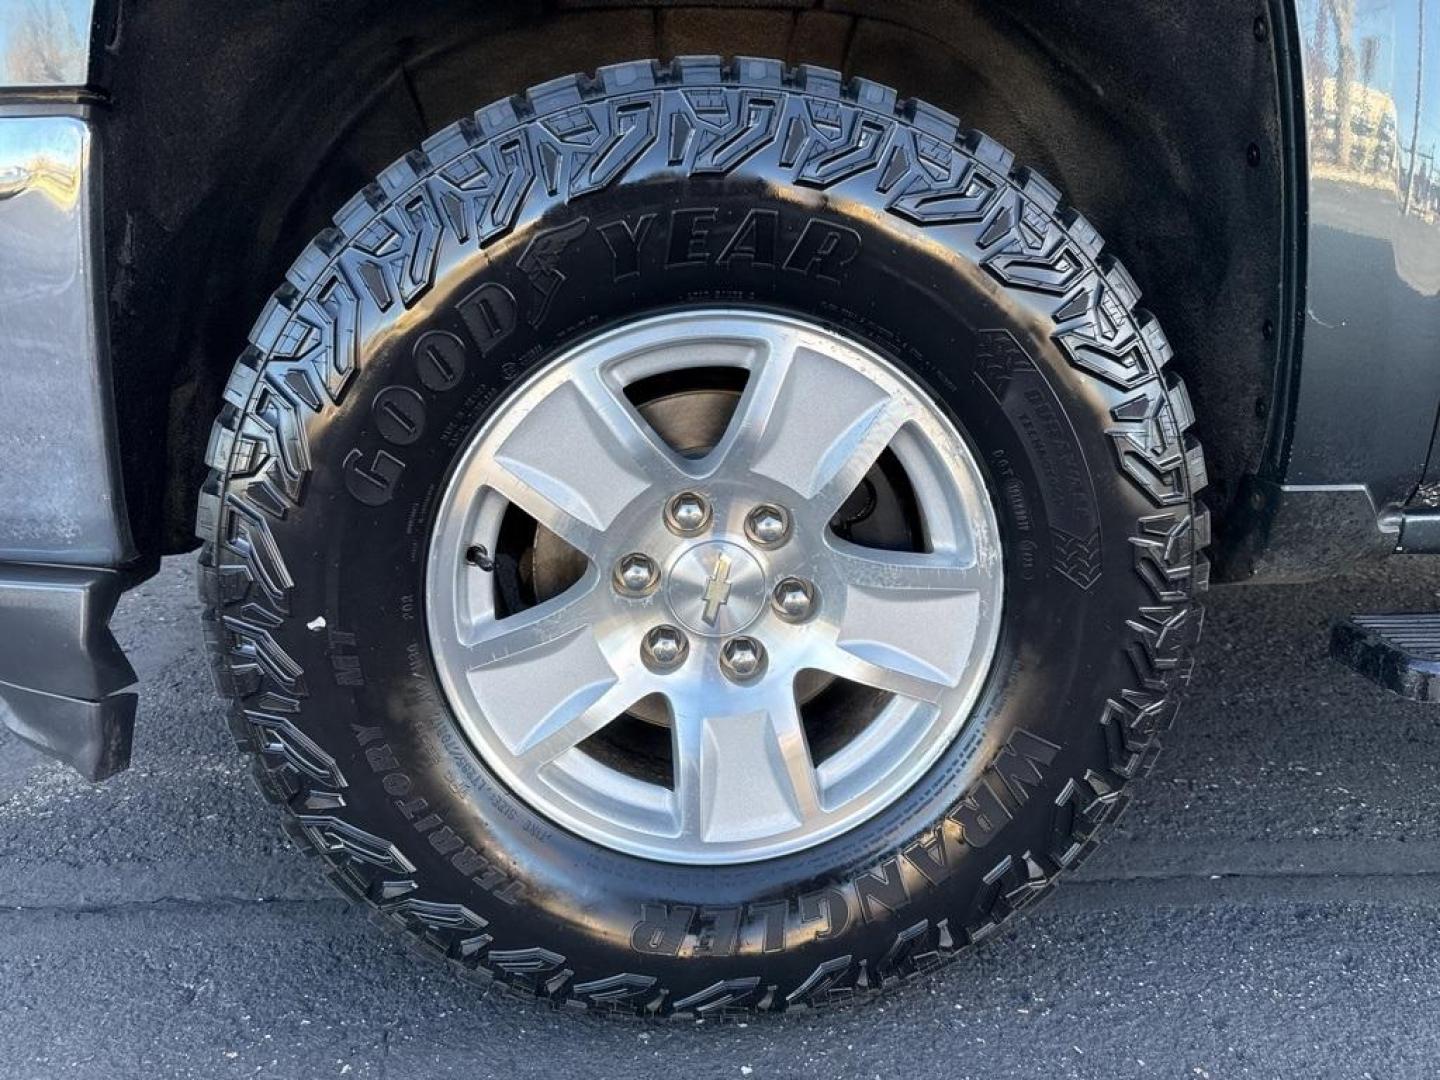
716	588
702	581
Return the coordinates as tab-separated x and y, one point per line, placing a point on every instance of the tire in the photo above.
548	217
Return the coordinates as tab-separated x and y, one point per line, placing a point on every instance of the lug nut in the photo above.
742	659
687	513
636	574
664	648
767	525
793	599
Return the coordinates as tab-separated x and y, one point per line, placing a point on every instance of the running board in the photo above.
1400	652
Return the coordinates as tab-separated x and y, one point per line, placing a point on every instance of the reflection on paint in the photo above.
1372	274
1371	102
56	397
42	159
44	42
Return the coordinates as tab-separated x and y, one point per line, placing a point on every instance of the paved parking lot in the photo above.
1269	908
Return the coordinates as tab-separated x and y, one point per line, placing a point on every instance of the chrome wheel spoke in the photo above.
576	460
542	671
745	775
638	441
848	420
909	620
769	369
908	572
490	640
564	729
881	670
548	506
852	455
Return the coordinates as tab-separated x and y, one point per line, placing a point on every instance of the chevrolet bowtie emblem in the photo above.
717	589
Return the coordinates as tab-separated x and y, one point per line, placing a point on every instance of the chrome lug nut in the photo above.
687	513
636	574
664	648
793	599
742	659
767	525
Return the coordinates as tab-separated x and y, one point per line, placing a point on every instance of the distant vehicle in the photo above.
708	534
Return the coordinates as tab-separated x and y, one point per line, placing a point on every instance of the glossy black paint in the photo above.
1359	382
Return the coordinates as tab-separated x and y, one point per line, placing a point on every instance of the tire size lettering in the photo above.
384	762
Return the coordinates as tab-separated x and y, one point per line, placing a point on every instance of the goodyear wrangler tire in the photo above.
590	204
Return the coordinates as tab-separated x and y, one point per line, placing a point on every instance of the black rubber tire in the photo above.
591	200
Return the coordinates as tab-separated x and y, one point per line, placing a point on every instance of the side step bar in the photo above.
1400	652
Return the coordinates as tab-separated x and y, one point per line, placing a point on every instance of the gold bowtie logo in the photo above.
717	589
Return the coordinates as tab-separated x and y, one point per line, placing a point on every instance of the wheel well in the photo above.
234	131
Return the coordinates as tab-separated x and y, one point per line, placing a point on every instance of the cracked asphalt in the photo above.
1268	908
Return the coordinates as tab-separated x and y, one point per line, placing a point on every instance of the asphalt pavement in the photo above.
1268	908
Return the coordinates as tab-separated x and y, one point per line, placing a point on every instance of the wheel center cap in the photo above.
716	588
